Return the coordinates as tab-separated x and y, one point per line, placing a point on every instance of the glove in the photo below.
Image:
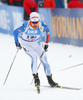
18	46
46	47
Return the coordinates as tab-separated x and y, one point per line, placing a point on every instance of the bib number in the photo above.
31	38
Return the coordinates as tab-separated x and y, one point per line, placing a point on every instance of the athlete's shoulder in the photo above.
43	23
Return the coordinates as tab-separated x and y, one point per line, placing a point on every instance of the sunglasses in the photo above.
35	22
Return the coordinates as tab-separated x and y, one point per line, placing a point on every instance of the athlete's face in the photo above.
35	24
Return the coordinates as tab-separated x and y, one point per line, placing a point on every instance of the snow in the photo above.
18	85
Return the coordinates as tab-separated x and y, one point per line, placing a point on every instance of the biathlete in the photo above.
30	32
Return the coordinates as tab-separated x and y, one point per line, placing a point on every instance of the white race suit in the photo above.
31	43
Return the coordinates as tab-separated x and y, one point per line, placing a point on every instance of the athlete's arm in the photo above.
47	31
16	33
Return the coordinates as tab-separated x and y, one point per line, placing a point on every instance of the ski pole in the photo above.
10	67
72	66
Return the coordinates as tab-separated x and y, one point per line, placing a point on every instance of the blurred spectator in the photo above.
49	4
16	2
59	3
29	6
5	2
75	4
68	1
40	3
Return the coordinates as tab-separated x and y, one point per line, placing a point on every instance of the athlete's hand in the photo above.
18	46
46	47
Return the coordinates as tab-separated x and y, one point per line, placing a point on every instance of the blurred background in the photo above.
64	18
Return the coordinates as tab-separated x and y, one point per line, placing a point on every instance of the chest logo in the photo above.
29	31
